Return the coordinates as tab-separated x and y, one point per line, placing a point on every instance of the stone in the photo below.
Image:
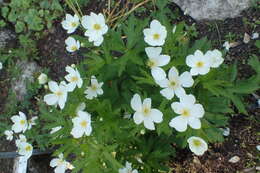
213	9
27	70
6	36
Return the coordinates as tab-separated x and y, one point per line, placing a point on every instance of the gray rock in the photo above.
6	36
213	9
27	69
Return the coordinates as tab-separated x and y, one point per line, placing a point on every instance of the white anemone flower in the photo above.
94	89
156	34
190	113
95	27
175	83
20	123
25	149
20	140
59	95
156	61
70	23
55	129
227	45
73	78
199	63
127	169
81	125
43	78
32	122
72	45
197	145
144	112
215	58
9	134
1	66
60	164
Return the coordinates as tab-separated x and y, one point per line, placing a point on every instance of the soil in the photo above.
243	137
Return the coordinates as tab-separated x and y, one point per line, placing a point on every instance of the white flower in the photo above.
59	95
197	145
94	89
156	34
80	107
9	135
55	129
73	78
175	83
1	66
199	63
70	23
81	125
144	112
215	58
20	140
42	78
72	45
31	122
227	45
95	27
255	36
190	113
20	123
127	169
25	149
156	61
60	164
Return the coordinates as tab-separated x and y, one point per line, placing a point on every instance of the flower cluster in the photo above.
20	125
95	27
188	110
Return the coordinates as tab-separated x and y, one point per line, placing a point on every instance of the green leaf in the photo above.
19	26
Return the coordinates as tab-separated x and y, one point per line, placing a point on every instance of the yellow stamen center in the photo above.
151	63
73	24
74	79
84	124
97	27
59	93
22	122
146	111
200	64
28	148
185	113
74	48
156	36
196	143
94	87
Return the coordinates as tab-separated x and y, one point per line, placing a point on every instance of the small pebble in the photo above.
258	147
234	159
246	38
255	36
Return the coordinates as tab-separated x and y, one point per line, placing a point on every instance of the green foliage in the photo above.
123	68
31	15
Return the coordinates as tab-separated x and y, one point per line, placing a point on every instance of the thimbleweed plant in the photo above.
140	88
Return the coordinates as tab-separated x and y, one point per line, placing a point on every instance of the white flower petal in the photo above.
194	123
136	103
179	123
186	79
158	73
156	115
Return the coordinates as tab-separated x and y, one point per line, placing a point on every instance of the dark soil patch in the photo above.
242	142
53	53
